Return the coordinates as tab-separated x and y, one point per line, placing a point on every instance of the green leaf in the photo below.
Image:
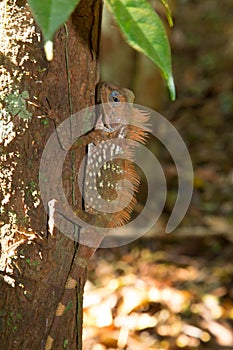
144	31
51	14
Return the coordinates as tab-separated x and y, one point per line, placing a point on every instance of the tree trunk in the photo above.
34	267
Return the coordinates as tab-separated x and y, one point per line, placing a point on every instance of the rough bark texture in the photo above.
34	267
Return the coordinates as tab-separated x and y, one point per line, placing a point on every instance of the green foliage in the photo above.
144	31
50	15
16	104
138	22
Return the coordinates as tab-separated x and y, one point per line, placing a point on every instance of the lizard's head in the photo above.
116	104
111	93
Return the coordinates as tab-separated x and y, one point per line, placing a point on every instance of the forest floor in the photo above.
175	295
170	292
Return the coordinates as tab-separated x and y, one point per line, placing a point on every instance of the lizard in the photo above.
119	121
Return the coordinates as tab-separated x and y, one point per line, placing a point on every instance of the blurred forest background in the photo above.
175	291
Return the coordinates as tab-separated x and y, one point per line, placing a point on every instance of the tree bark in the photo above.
34	267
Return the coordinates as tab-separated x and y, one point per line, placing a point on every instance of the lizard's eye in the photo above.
114	96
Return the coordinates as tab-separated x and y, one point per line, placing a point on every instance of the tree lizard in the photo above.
119	121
